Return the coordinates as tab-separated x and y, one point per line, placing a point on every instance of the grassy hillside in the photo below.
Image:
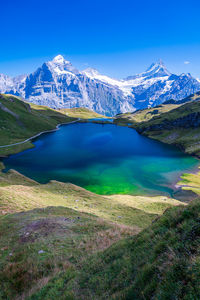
81	112
144	114
47	230
179	126
18	193
38	244
172	124
54	239
162	262
20	120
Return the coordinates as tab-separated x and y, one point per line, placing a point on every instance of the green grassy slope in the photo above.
172	124
81	112
162	262
44	230
68	223
18	193
20	120
190	182
144	114
176	127
38	244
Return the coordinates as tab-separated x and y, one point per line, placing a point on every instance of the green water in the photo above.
105	159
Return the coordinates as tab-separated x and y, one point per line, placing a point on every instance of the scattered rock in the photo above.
41	251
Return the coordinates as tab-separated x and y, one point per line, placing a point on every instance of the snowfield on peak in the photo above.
58	84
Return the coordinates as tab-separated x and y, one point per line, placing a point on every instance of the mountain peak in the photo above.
59	59
160	62
61	66
156	65
91	72
157	69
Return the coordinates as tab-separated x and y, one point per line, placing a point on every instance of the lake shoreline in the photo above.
173	185
35	136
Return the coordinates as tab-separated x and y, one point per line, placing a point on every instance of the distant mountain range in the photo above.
58	84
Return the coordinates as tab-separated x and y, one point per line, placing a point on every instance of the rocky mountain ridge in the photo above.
58	84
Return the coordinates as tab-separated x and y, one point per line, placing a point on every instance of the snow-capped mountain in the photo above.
152	87
59	85
6	83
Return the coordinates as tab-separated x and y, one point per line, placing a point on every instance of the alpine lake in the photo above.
105	159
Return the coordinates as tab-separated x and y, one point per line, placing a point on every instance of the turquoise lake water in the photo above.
105	159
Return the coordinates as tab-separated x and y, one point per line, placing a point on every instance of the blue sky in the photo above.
119	38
